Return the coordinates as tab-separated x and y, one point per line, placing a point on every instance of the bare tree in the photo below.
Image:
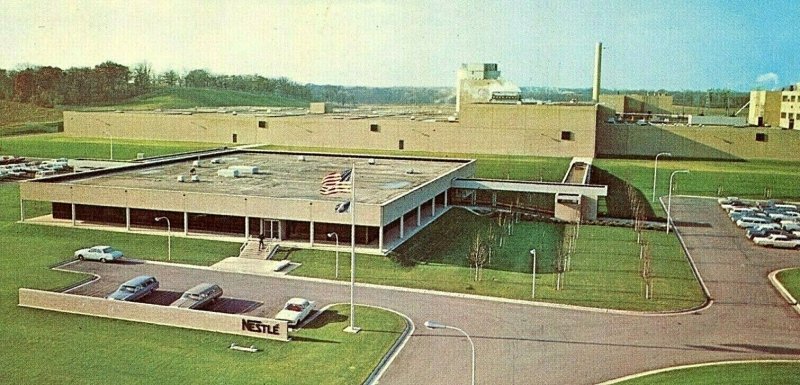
647	269
479	255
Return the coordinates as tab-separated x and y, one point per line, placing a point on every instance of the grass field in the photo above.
187	97
59	145
87	350
751	179
784	373
604	270
791	281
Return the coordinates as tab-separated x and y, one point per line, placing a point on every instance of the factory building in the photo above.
775	108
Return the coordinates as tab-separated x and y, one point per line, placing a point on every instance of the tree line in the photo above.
110	82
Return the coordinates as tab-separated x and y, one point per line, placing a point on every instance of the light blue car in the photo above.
99	253
135	288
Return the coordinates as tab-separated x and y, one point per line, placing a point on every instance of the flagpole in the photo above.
352	328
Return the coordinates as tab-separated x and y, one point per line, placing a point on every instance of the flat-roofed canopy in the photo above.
283	175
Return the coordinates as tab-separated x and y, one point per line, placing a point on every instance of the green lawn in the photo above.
88	350
604	270
791	281
750	179
784	373
59	145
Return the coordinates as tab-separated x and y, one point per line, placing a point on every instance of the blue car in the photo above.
99	253
135	288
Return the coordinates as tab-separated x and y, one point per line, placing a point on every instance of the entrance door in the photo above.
791	124
271	228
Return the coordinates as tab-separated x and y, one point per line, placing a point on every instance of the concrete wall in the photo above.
639	104
155	314
698	142
766	105
716	120
482	129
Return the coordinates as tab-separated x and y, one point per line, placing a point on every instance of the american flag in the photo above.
336	182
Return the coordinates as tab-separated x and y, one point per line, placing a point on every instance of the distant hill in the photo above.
23	118
187	97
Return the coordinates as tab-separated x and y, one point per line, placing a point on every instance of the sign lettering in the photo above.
257	326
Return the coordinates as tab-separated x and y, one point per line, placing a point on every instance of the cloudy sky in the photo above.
663	44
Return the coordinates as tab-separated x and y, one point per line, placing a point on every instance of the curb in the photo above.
673	368
773	279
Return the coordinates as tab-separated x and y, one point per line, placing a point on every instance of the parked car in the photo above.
790	225
785	215
733	204
748	221
198	296
99	253
295	310
779	240
135	288
737	215
764	232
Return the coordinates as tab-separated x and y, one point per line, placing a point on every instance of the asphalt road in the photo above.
525	344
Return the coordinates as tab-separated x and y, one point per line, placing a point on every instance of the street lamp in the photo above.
533	274
436	325
111	139
655	171
334	235
669	199
169	237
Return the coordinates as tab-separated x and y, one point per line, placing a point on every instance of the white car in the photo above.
99	253
778	240
295	310
790	225
785	215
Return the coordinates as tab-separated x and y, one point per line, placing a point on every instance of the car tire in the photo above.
80	257
103	260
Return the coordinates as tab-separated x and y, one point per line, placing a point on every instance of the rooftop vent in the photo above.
228	173
301	158
371	160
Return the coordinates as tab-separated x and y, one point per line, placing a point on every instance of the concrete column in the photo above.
494	199
445	198
246	226
127	219
402	225
474	197
419	215
380	238
185	223
280	230
311	234
433	207
21	210
73	214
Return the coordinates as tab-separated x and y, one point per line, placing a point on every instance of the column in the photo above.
433	207
494	199
380	238
127	219
311	234
246	226
402	225
185	223
73	214
21	210
445	198
419	215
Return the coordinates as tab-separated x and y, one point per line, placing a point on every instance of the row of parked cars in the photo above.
294	311
19	169
767	223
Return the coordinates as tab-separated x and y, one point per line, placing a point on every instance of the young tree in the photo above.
479	255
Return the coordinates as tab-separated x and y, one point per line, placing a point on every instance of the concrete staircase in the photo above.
251	251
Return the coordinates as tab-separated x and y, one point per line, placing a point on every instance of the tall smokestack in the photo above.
598	58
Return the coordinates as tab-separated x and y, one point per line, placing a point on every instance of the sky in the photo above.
670	45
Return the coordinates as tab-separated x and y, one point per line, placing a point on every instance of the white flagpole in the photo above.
352	328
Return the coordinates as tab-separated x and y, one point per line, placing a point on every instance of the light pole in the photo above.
169	237
533	274
334	235
111	139
669	199
655	171
436	325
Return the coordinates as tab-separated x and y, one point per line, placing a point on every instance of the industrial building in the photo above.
775	108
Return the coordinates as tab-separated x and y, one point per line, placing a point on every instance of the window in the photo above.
567	135
761	137
374	127
794	98
234	138
262	124
785	98
401	144
783	115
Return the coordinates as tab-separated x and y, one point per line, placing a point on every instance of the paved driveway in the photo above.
523	344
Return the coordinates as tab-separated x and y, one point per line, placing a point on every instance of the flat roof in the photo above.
282	175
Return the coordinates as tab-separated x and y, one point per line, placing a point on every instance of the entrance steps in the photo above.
251	251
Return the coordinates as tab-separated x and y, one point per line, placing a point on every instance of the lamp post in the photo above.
169	237
334	235
533	274
436	325
655	171
111	139
669	199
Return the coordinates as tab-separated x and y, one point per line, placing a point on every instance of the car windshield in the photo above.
129	289
294	307
108	250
